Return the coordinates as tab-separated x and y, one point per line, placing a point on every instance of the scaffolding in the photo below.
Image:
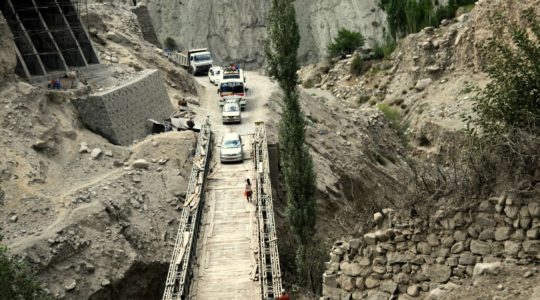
49	35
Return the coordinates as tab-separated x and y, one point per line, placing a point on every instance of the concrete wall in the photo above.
145	23
121	114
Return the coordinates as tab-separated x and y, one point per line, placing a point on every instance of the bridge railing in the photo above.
269	268
179	275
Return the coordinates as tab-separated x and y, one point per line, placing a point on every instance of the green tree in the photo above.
169	43
296	161
17	281
512	99
345	43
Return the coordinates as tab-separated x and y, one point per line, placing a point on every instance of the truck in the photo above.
196	61
232	89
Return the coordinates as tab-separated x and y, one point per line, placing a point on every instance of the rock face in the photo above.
8	59
235	30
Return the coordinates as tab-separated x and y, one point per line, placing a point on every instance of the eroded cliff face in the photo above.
235	30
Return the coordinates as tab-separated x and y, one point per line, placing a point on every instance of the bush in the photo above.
169	44
511	100
395	118
345	42
357	65
410	16
17	281
385	49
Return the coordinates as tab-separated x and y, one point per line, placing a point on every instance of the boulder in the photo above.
511	248
388	286
437	273
457	248
140	164
413	290
193	100
351	269
96	152
503	233
479	247
531	247
84	148
422	84
372	282
488	234
370	238
486	269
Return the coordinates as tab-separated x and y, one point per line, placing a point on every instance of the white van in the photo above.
214	75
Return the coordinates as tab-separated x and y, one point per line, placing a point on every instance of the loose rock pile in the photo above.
412	256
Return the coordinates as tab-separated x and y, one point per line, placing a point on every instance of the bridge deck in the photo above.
228	234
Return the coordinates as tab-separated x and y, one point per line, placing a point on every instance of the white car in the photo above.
231	148
231	112
214	75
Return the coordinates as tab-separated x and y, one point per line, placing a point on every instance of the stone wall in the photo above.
121	114
408	255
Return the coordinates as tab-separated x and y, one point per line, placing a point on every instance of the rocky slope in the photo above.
430	80
8	59
235	30
95	220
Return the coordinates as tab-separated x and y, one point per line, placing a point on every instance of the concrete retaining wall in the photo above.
145	23
121	114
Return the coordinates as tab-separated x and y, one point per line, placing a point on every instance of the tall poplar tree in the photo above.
296	162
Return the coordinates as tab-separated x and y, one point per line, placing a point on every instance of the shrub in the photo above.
511	100
17	281
385	49
395	118
357	65
169	44
410	16
345	42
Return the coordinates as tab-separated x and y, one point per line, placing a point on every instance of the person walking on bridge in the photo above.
284	295
248	192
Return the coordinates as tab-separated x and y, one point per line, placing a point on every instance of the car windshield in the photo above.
232	87
231	144
202	57
230	107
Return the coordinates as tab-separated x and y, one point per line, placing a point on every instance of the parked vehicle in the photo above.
214	75
196	61
231	112
232	89
231	148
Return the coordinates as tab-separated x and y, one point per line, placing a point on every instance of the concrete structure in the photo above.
145	23
49	35
121	114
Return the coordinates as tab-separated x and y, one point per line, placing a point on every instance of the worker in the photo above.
190	123
247	190
284	295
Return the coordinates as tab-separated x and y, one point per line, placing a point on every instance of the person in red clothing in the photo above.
284	295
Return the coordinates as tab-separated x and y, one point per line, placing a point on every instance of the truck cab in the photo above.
196	61
200	62
232	89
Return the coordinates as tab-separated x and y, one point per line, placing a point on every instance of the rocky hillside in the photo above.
95	220
429	82
235	30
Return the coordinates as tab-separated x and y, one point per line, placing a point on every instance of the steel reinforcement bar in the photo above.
269	269
179	275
